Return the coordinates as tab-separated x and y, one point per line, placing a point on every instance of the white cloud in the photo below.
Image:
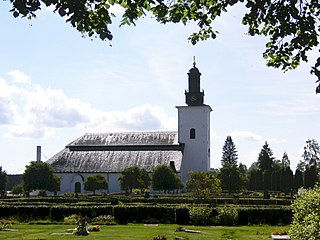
245	135
144	117
37	112
18	76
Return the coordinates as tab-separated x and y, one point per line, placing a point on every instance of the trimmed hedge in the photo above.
143	213
272	216
108	199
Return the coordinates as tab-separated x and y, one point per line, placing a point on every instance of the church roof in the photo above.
113	152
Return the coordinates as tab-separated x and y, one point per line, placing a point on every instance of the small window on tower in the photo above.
192	133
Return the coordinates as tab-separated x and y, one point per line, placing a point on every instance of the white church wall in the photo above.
196	155
114	185
69	180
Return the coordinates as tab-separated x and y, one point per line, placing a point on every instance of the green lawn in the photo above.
141	232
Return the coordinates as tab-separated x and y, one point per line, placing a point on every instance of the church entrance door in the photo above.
77	187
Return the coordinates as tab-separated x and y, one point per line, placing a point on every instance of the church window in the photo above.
192	133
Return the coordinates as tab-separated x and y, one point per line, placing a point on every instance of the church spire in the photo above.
194	97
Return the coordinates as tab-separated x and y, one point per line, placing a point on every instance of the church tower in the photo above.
194	127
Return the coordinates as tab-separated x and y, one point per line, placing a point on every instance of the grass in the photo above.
141	232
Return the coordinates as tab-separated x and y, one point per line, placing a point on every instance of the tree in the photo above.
287	180
40	176
134	177
3	181
203	184
95	182
310	177
265	159
291	25
164	178
285	162
243	174
311	155
230	174
230	178
17	189
229	152
298	179
306	221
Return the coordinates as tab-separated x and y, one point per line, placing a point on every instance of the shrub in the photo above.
73	219
227	216
160	237
200	215
264	215
42	193
104	219
17	189
182	216
306	219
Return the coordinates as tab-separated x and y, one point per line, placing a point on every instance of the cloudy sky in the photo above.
56	85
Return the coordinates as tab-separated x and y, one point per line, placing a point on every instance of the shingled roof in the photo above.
113	152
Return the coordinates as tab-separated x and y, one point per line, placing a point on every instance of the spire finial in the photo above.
194	61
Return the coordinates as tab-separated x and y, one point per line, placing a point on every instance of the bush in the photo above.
306	220
200	215
17	189
264	215
227	216
42	193
182	216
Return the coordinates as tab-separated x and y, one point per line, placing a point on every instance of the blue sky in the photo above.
55	86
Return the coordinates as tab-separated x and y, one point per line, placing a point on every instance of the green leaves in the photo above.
292	26
306	218
95	182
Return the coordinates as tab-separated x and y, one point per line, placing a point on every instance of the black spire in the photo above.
194	97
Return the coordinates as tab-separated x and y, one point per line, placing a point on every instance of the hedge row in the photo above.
154	200
139	214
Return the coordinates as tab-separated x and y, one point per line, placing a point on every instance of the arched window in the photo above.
192	133
77	187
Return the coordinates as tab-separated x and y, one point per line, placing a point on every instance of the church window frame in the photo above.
192	133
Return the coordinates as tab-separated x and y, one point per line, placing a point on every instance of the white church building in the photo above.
108	154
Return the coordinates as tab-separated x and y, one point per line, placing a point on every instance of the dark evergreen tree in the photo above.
265	159
259	180
276	180
298	179
286	180
267	179
310	177
231	177
285	162
243	175
229	152
252	176
3	181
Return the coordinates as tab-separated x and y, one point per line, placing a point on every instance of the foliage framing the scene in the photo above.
306	220
292	26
